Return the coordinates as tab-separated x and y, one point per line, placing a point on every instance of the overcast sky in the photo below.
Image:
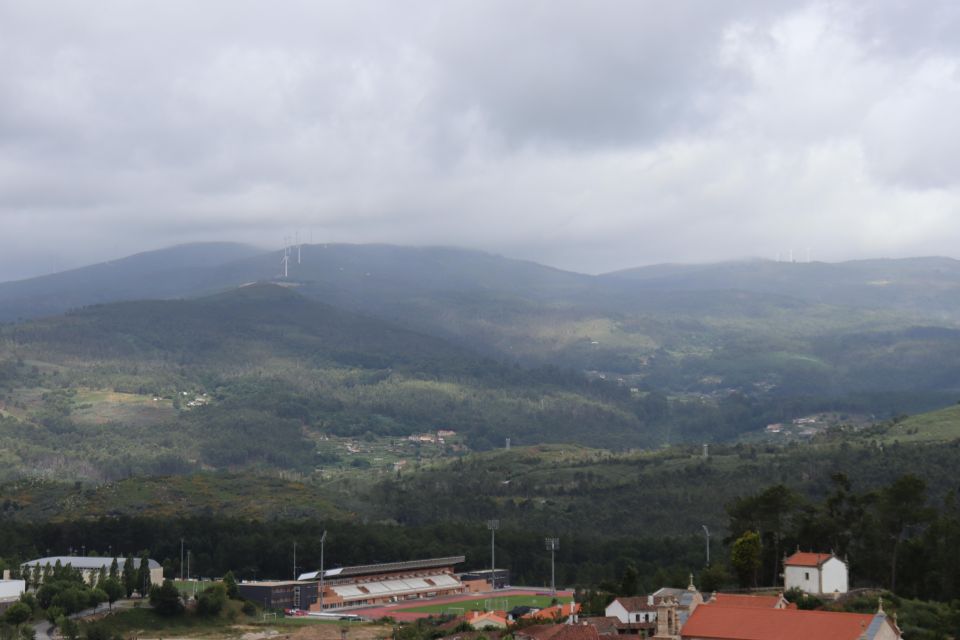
587	135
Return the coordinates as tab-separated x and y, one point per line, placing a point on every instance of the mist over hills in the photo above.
392	340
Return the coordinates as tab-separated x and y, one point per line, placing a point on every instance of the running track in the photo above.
396	611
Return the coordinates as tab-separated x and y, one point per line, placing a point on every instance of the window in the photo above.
806	575
637	618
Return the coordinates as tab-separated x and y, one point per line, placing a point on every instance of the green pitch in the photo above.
482	604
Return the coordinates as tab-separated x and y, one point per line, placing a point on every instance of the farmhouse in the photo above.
815	573
387	582
633	610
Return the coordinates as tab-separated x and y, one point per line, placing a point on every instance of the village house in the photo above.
815	573
487	620
632	610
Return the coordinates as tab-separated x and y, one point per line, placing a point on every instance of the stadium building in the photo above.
280	594
388	582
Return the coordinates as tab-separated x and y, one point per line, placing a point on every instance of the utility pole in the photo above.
553	544
294	559
706	532
323	538
493	525
181	559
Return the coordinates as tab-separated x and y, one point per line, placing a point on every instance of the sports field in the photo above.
482	604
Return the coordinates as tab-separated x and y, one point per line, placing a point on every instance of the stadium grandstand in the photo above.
387	582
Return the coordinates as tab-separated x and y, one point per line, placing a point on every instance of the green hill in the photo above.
256	377
935	426
723	347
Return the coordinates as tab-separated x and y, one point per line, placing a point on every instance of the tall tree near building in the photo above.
129	576
745	558
113	589
114	569
143	575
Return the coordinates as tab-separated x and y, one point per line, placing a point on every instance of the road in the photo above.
44	629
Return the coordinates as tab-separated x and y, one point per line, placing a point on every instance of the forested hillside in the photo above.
376	341
259	376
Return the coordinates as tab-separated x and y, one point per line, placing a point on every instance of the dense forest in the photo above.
896	536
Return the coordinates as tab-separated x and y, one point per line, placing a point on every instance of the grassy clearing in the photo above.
97	407
484	604
192	587
936	426
141	621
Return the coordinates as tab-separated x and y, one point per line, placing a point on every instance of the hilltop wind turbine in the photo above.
285	261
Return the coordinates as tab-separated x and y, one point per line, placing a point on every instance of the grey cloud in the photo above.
589	135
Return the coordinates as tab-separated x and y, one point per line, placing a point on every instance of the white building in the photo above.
90	566
815	573
632	610
10	591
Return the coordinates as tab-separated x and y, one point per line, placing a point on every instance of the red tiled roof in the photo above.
555	612
605	626
743	600
750	623
559	632
635	603
804	559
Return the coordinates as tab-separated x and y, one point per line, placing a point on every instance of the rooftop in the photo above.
804	559
87	562
636	603
743	600
386	567
751	623
559	632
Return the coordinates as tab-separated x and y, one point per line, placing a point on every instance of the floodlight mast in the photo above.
553	544
323	538
493	525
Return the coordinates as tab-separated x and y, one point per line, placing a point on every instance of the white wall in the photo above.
617	610
807	579
11	589
834	576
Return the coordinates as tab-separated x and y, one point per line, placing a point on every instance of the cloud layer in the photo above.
588	135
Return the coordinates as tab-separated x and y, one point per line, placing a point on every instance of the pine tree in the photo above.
143	576
114	569
129	576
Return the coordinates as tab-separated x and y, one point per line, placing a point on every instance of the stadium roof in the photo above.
86	562
386	567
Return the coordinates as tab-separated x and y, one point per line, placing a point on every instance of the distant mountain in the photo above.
165	273
919	286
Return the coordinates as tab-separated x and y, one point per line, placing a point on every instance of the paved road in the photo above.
44	629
